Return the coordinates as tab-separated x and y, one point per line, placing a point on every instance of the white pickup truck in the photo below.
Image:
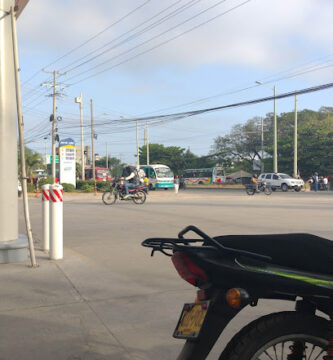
281	181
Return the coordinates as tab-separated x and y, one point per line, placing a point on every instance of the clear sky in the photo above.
148	57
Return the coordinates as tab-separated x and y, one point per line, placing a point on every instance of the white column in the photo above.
56	222
46	216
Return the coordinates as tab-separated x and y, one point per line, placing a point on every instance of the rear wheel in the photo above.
284	187
139	197
268	190
109	197
250	191
283	336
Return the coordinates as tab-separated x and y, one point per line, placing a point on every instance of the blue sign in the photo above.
66	142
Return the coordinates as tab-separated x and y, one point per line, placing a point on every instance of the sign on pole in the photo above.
67	161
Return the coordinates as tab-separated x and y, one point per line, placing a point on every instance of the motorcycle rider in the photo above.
131	178
254	181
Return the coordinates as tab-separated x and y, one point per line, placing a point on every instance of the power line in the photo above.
160	44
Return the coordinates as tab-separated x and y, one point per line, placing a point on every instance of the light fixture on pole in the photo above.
275	167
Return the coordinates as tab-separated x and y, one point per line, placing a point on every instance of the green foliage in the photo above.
87	188
102	185
30	187
315	143
33	161
90	184
48	180
68	187
175	157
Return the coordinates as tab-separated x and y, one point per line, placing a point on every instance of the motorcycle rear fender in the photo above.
218	317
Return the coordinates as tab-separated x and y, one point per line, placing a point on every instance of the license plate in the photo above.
191	320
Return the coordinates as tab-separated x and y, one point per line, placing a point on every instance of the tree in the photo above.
315	142
33	161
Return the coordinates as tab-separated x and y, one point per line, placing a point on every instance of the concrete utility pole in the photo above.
295	140
275	163
106	156
13	247
79	101
92	139
147	142
262	145
137	146
275	134
54	126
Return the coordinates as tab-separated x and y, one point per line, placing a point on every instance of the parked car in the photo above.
19	188
281	181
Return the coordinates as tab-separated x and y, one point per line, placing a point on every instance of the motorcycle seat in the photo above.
305	252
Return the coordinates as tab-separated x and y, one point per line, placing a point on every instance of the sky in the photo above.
139	58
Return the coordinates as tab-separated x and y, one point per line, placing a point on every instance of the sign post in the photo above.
67	161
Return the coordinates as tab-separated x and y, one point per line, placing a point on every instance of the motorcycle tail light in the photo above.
188	269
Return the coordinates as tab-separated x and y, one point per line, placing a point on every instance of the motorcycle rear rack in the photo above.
207	243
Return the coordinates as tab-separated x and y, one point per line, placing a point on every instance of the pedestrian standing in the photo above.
315	181
325	182
176	184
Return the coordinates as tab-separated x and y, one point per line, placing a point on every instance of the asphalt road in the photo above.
137	299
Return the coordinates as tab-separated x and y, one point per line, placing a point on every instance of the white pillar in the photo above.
46	216
56	222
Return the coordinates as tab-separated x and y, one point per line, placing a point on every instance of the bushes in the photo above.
48	180
68	187
30	187
84	185
87	188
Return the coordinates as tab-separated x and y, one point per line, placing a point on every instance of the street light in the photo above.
274	127
78	100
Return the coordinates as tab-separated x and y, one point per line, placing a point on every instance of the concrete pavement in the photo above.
108	299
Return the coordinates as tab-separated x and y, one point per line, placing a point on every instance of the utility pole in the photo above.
295	140
54	119
147	142
262	145
275	133
54	127
78	100
137	146
107	156
92	139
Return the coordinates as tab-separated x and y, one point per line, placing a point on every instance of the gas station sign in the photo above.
67	172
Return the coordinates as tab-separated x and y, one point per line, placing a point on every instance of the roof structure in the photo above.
20	4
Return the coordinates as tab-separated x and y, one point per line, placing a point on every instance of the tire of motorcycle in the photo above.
276	334
268	190
109	197
250	191
139	198
297	189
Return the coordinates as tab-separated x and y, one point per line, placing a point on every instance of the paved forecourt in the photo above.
108	299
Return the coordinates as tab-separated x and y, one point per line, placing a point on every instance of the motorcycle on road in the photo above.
117	192
251	189
235	271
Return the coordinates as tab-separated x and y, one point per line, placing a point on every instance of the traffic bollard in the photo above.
46	217
56	222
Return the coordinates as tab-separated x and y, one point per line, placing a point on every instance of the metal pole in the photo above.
21	137
82	140
295	140
262	145
275	134
147	144
92	139
54	126
137	146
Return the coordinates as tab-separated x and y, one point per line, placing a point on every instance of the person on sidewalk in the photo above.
176	184
315	181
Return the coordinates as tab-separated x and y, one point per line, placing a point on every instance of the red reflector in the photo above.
188	269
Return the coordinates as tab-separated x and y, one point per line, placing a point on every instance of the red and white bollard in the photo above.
56	222
46	217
